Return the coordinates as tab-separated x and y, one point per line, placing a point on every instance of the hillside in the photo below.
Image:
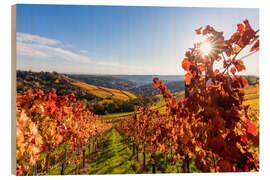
63	85
105	93
142	84
103	100
49	82
104	81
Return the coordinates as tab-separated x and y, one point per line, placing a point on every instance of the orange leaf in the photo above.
186	64
240	27
244	81
205	31
235	37
198	31
239	65
233	70
251	128
155	80
188	77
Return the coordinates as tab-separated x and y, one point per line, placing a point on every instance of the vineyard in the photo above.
213	126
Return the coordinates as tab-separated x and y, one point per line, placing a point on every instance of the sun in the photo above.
206	48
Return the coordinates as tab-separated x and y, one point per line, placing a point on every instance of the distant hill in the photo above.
174	86
142	84
104	81
147	89
252	80
146	79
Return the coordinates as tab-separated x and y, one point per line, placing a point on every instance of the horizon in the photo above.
71	73
119	40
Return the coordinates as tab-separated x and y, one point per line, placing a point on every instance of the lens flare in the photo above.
206	48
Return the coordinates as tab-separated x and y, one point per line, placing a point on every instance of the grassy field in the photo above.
115	158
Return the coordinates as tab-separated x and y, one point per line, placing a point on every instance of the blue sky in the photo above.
118	39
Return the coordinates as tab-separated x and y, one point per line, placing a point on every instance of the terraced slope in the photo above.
105	93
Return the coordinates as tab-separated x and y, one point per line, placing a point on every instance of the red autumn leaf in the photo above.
216	72
186	64
155	80
19	172
233	70
198	31
235	37
188	77
205	31
43	147
244	82
33	141
240	27
246	23
251	128
255	47
239	65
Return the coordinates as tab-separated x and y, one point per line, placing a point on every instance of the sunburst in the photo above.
206	48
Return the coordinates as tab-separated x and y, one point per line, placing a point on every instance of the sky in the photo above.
119	39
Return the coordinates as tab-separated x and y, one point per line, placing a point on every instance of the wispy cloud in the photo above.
40	47
30	38
83	51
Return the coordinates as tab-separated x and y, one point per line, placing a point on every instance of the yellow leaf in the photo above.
236	49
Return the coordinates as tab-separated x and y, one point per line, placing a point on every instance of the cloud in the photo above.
43	48
83	51
30	38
